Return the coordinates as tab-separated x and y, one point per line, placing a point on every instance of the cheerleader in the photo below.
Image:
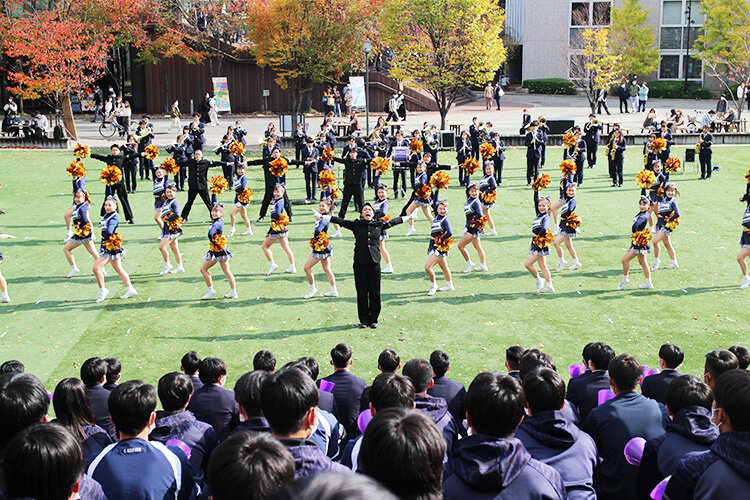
668	217
239	207
79	184
273	235
380	206
440	231
322	256
656	191
82	232
567	233
744	240
538	253
171	230
473	230
649	157
421	187
565	181
217	253
330	193
159	189
639	235
488	190
111	252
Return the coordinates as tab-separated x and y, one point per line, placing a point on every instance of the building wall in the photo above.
545	39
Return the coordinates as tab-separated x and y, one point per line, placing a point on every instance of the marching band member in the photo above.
463	151
704	154
533	142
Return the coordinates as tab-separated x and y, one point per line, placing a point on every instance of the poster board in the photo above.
221	94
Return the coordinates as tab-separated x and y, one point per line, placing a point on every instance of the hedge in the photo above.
550	86
672	89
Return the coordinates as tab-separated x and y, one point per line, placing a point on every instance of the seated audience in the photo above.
114	372
583	390
654	386
212	403
347	389
264	360
718	361
247	395
743	355
534	359
326	402
189	366
73	411
451	391
388	362
94	375
12	366
335	486
513	356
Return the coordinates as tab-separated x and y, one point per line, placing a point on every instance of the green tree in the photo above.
633	40
596	68
724	45
442	46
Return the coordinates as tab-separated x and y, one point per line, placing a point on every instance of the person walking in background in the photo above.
213	113
633	95
489	93
721	107
499	92
622	93
348	100
174	113
642	97
98	103
601	101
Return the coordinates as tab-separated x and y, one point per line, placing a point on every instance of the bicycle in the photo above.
109	128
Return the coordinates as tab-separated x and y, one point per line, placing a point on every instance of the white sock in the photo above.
449	282
549	283
674	261
624	277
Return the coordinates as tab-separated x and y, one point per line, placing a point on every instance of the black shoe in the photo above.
260	219
291	219
363	325
373	325
614	185
130	221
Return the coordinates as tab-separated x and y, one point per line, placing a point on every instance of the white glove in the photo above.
326	217
316	214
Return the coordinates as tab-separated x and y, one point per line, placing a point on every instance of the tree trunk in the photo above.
67	115
167	103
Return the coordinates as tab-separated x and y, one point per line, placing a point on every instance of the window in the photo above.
601	14
669	67
671	38
579	14
692	68
576	38
694	34
672	12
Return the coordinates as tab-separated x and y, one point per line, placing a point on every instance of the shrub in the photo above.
550	86
673	89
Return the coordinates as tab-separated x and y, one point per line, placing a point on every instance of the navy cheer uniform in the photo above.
668	211
80	217
321	226
473	211
568	207
745	238
160	186
420	181
381	210
217	227
539	227
486	185
109	225
170	211
640	222
277	208
441	230
240	184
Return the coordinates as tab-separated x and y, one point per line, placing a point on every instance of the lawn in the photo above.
53	324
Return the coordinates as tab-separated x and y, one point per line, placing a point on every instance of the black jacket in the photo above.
366	238
353	169
99	407
453	392
198	171
215	406
583	391
655	386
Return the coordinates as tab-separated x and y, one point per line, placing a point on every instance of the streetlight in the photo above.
687	64
367	48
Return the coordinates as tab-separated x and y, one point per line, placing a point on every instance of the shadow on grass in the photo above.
275	335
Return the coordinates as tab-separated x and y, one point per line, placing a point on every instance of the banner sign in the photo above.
221	94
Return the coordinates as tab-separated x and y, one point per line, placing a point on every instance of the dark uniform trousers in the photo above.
367	283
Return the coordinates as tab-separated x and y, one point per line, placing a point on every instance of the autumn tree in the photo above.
724	45
442	46
633	39
596	68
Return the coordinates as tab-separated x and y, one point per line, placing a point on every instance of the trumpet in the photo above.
595	122
542	120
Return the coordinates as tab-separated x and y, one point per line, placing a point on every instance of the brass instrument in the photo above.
595	122
542	120
698	146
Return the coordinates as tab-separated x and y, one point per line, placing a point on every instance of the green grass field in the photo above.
53	324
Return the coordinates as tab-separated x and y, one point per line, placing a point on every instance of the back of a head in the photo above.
211	370
685	391
419	372
585	353
286	397
312	364
23	402
249	466
732	393
12	366
114	367
72	404
404	450
190	362
743	355
672	355
388	361
544	390
440	362
600	355
719	361
341	355
92	371
131	405
43	462
513	356
534	359
335	486
495	404
264	360
174	391
247	391
391	390
625	371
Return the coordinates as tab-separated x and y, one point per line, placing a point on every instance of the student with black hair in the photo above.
118	158
490	462
552	440
135	467
347	389
189	366
654	386
197	168
12	366
114	372
249	466
174	422
419	371
247	395
335	485
289	400
583	390
73	411
743	355
534	359
718	361
264	360
689	433
326	402
513	356
271	181
212	403
94	375
615	422
723	471
451	391
388	362
404	450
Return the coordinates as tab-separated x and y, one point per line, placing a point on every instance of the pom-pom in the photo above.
439	180
658	145
151	152
568	167
479	223
641	238
540	182
380	164
424	192
82	230
569	140
173	222
335	193
280	224
671	222
489	197
113	243
672	165
443	246
416	146
385	218
543	240
217	243
327	179
320	242
747	175
486	150
218	184
236	148
246	196
645	178
573	221
471	165
327	154
76	169
279	167
111	175
170	166
81	151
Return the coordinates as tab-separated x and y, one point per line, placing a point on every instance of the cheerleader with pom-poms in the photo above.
321	252
569	224
488	194
380	207
82	231
540	245
111	252
159	190
278	232
639	247
217	252
745	238
422	196
243	195
655	190
668	218
475	222
78	172
171	230
441	240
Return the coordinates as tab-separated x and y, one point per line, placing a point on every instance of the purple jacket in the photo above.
552	440
308	459
485	467
437	410
199	436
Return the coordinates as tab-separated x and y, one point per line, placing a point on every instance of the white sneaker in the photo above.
311	292
433	288
468	268
129	292
481	267
539	284
231	295
68	236
576	265
388	269
561	265
491	232
547	288
291	270
165	270
331	293
232	230
179	269
209	293
248	232
410	232
673	265
623	283
647	285
4	298
745	282
655	265
272	268
103	292
337	234
447	288
73	271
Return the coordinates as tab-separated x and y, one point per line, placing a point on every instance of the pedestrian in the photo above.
721	107
601	101
174	113
348	100
499	92
336	101
489	93
622	93
633	95
642	97
213	113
